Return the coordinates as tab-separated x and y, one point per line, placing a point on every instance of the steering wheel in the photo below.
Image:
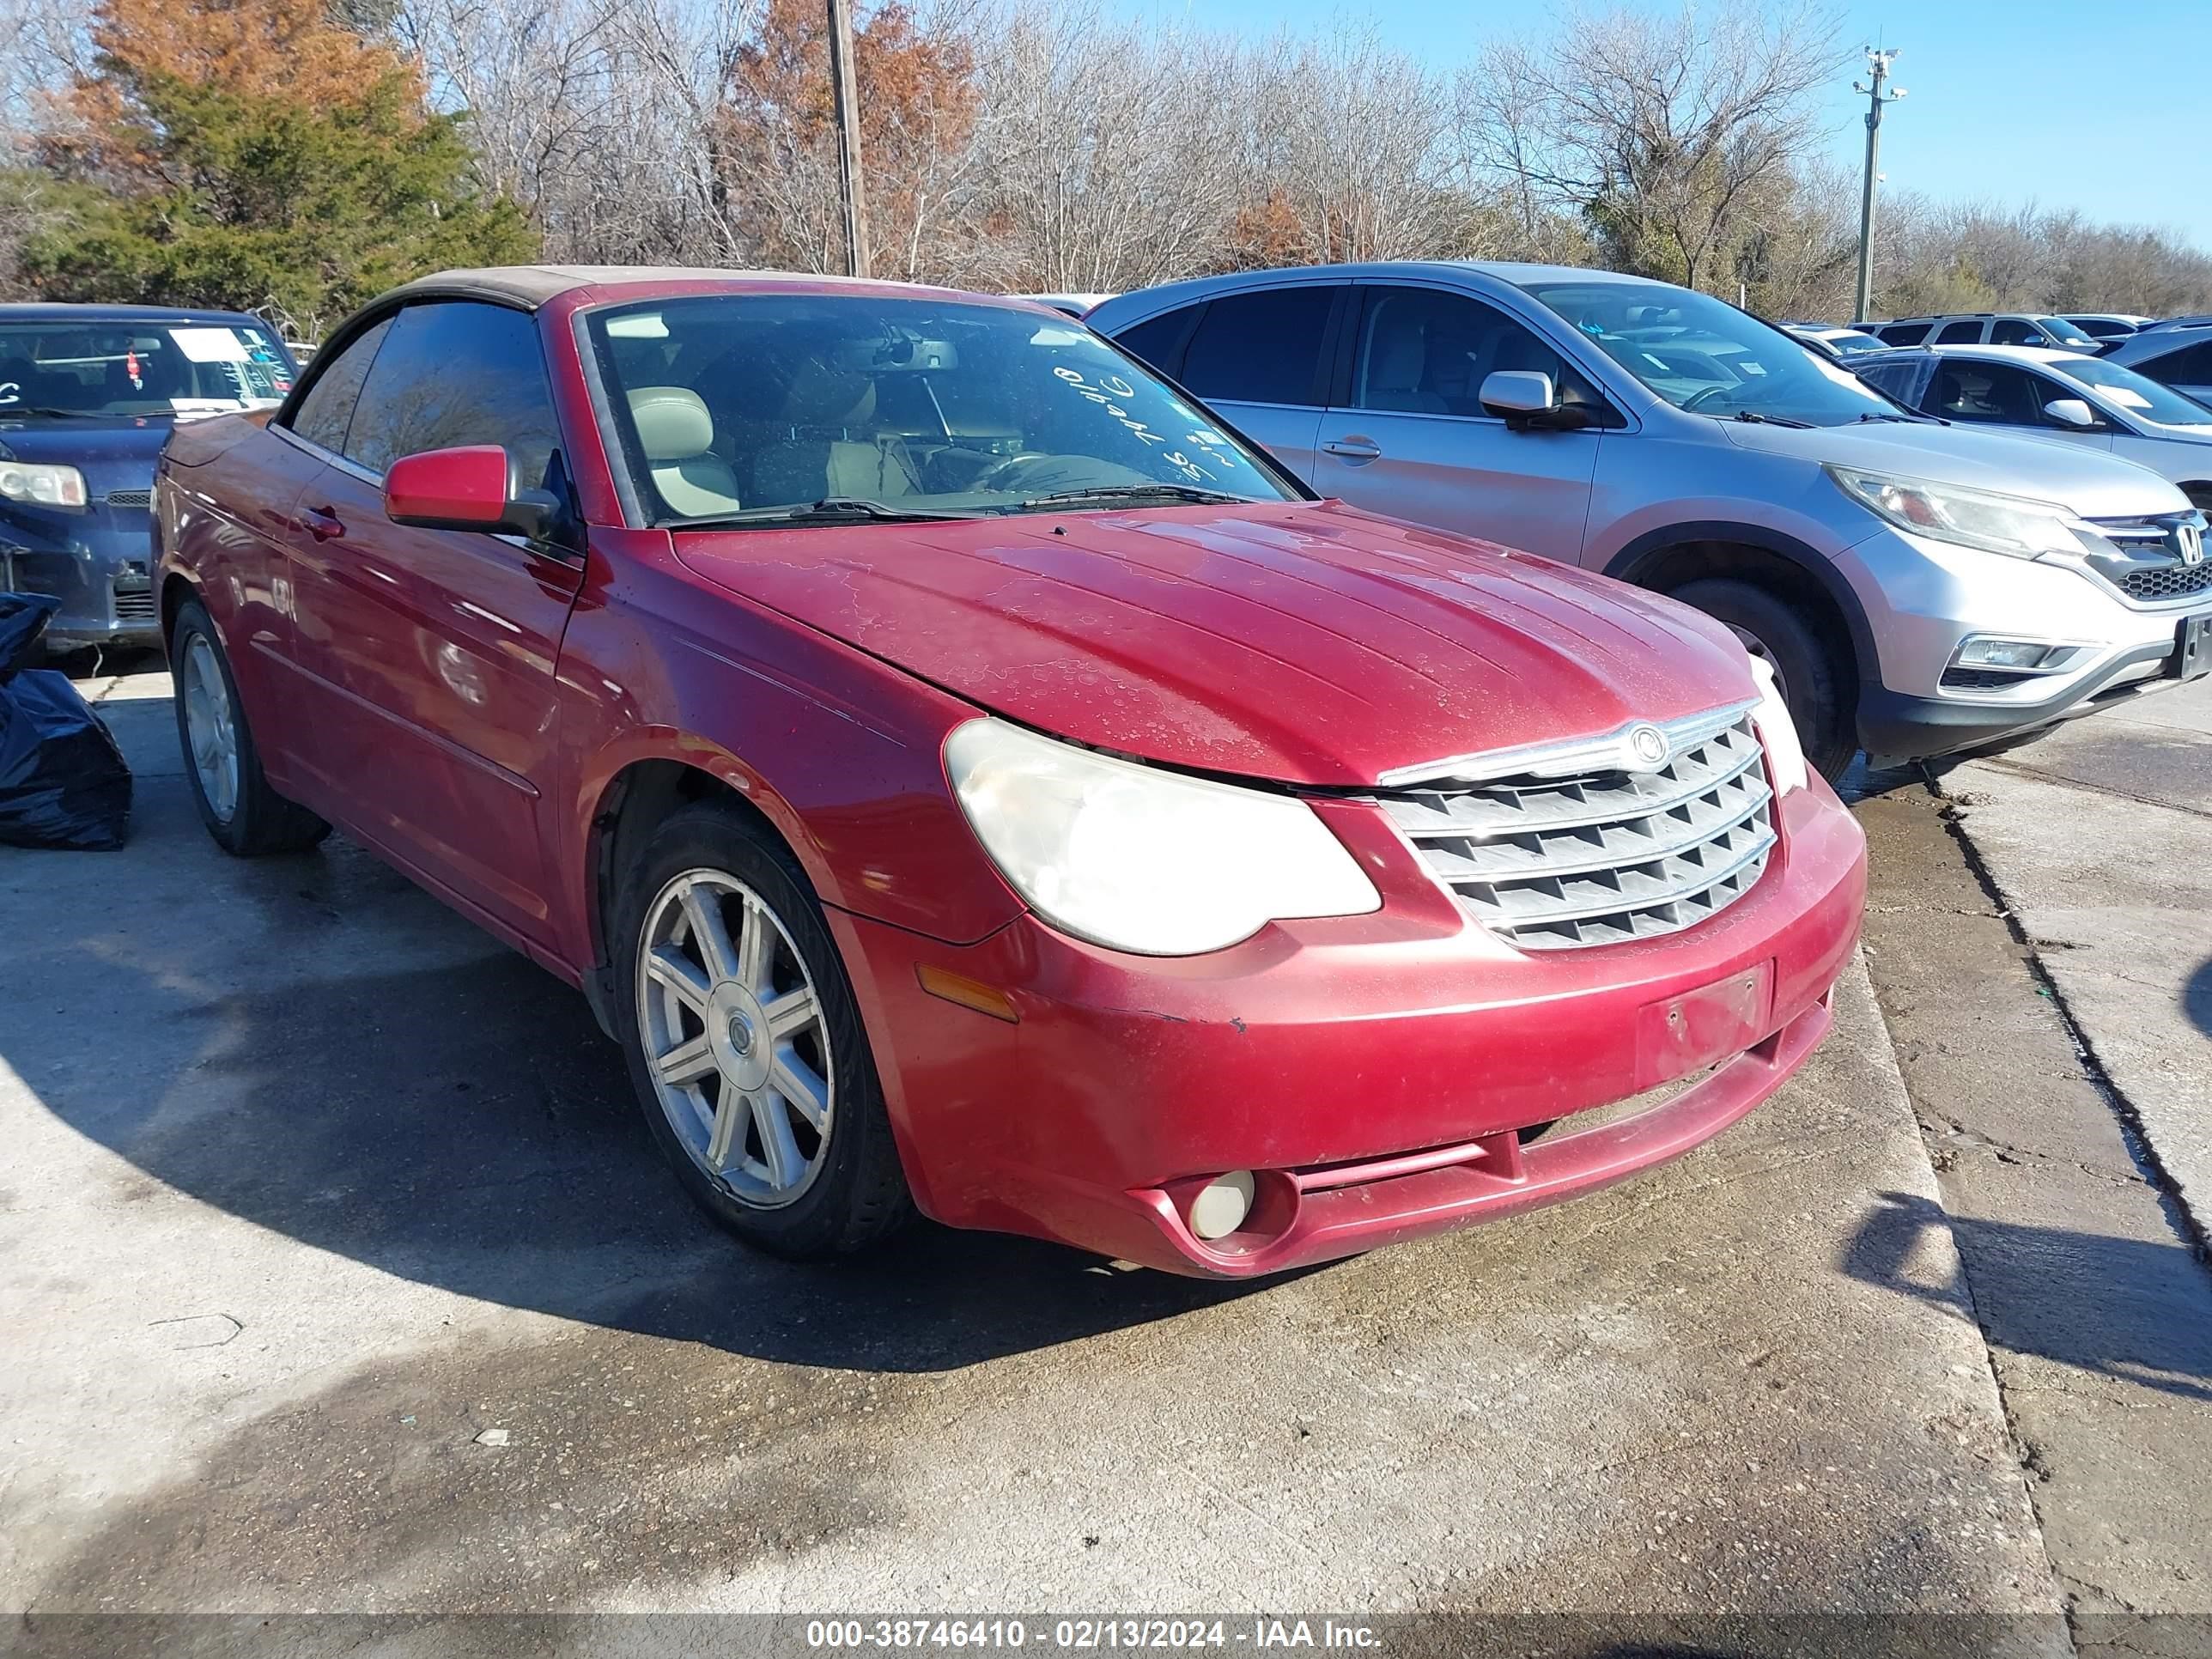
997	477
1696	399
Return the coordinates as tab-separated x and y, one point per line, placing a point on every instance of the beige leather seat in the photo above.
677	435
828	444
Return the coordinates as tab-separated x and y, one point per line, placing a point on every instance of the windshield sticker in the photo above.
210	345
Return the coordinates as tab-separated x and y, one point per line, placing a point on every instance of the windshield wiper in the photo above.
1753	417
831	508
41	410
1131	492
1900	418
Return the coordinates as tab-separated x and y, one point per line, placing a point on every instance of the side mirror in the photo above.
2073	412
1518	392
465	488
1528	402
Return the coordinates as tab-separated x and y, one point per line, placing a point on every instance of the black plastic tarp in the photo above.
63	780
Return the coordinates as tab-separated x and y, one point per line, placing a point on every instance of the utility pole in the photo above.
847	107
1878	63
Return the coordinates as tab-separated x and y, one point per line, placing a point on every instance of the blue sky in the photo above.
2067	105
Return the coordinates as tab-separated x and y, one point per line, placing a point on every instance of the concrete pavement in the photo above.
2038	932
358	1186
341	1276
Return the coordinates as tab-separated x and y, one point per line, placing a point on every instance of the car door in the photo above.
1257	356
429	653
1411	438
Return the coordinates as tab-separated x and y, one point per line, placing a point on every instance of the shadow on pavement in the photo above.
466	1126
2197	998
2121	1307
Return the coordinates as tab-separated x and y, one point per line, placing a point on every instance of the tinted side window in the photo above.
1423	351
1902	333
1897	379
1262	347
454	372
2190	366
1993	393
2012	330
1965	333
326	409
1159	340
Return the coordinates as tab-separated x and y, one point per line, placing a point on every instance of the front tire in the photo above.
222	767
745	1042
1808	669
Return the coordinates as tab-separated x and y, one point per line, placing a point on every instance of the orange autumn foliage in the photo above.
288	49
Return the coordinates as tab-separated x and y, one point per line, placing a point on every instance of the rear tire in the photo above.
1808	666
744	1042
222	767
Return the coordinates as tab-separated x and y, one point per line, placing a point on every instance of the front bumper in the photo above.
98	563
1372	1070
1924	598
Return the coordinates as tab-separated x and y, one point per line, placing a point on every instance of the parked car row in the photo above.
1915	586
1102	778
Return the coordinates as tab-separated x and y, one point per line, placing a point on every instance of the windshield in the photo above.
774	408
2059	329
58	371
2137	394
1710	358
1848	343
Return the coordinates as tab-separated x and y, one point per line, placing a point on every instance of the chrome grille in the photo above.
131	498
1554	860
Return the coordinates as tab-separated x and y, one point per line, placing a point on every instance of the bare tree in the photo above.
1659	130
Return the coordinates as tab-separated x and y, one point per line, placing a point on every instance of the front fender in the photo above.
841	753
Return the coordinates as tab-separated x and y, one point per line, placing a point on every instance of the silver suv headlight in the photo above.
1142	860
1952	512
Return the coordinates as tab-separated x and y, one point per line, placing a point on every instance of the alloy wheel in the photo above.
211	728
735	1039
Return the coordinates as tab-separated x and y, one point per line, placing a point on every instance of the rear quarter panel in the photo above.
224	495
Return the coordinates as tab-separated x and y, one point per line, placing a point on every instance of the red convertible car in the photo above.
965	776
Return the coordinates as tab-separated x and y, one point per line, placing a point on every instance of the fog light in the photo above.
2023	654
1222	1204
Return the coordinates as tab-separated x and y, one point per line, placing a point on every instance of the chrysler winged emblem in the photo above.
1649	745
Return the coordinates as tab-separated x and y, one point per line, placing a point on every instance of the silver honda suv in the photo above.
1916	588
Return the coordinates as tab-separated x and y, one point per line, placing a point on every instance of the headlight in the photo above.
1970	518
1785	756
1142	860
49	486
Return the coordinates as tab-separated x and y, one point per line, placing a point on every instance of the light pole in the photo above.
1878	64
845	107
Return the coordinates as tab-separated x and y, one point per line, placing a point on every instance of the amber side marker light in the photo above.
968	992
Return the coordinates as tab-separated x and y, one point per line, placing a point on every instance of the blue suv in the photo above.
88	396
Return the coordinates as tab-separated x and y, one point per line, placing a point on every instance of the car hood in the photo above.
2094	485
129	438
1308	643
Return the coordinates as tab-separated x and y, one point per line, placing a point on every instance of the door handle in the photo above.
322	524
1353	448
